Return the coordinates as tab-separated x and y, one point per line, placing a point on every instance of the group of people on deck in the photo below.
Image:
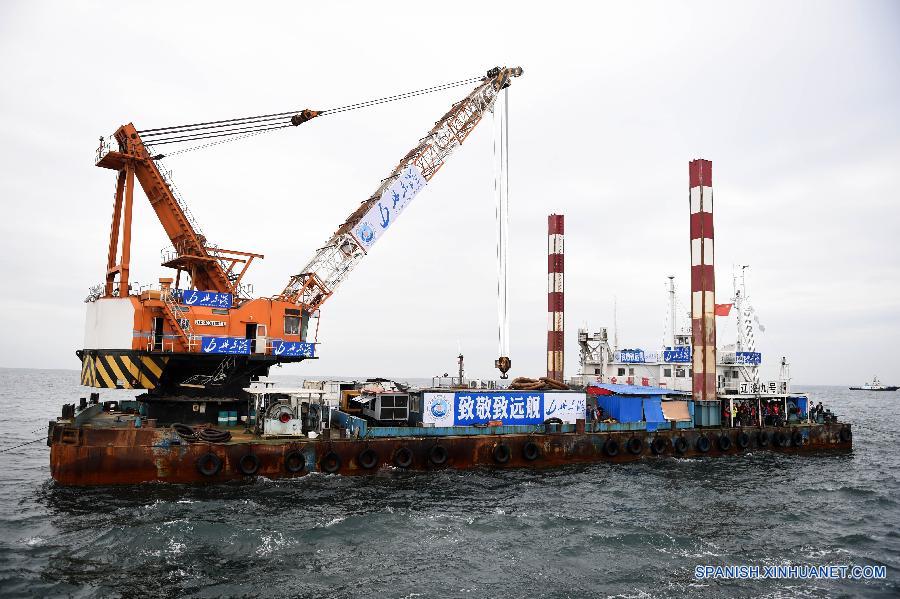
772	413
744	414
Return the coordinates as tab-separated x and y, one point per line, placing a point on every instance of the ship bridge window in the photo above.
631	371
679	372
734	374
667	372
597	371
621	372
291	325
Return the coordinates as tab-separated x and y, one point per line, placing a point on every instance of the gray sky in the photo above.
796	104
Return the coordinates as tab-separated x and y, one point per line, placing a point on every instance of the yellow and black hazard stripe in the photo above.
121	370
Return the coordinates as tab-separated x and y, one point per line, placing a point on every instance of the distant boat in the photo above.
875	385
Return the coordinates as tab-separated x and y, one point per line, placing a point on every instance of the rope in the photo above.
501	189
44	438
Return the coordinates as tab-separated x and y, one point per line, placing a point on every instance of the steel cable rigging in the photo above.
243	127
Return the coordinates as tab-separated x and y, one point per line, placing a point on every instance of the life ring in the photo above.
403	457
781	440
437	455
501	453
846	434
330	462
680	444
294	462
743	440
367	458
611	447
763	439
209	464
702	444
658	445
724	442
248	464
531	451
634	445
796	439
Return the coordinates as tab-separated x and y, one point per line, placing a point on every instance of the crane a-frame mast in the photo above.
210	268
349	244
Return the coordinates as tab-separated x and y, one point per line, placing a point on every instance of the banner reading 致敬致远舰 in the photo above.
463	408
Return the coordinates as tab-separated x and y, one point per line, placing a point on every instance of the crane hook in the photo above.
503	364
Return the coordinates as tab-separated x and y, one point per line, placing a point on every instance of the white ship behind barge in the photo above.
738	364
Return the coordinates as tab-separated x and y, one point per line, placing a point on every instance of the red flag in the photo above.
723	309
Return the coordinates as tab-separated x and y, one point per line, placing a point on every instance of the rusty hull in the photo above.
109	456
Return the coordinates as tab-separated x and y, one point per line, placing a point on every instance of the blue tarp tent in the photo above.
653	412
622	408
633	403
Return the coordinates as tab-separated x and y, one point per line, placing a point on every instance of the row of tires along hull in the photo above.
102	457
437	455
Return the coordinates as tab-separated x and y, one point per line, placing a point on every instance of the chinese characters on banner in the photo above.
748	358
679	354
212	299
763	388
224	345
387	209
630	356
292	348
510	408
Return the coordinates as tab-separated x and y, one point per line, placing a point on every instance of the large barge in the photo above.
199	343
104	445
359	428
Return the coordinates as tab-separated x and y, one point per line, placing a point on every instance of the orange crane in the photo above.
189	339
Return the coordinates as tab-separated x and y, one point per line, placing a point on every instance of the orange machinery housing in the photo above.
175	340
209	337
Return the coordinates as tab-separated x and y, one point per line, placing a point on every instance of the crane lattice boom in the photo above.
347	246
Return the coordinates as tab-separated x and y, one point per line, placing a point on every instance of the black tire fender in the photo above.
437	455
403	457
658	445
330	462
248	465
501	453
294	461
724	442
209	464
796	438
531	451
611	447
742	440
763	439
702	444
846	434
635	445
680	444
367	458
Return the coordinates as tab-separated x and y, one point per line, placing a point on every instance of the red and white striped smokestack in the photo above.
703	281
555	299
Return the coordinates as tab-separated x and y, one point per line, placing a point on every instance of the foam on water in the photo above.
633	530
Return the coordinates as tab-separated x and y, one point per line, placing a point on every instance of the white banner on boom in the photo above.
387	209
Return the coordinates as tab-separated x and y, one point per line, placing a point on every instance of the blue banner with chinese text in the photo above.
680	354
211	299
224	345
293	348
